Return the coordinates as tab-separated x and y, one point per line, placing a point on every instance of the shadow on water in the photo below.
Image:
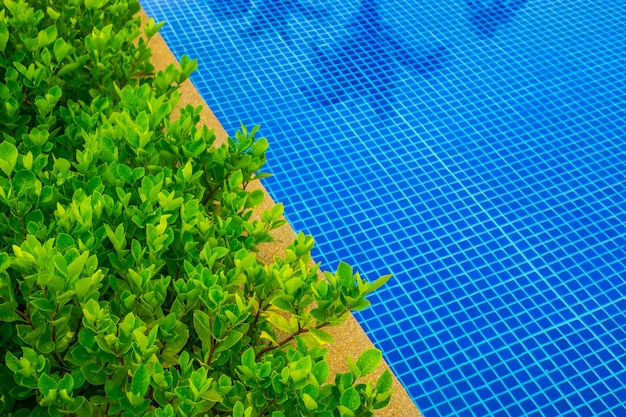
229	8
486	17
365	62
266	15
274	15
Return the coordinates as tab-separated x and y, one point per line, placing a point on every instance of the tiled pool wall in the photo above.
474	149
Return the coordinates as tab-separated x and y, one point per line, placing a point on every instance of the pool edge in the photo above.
350	338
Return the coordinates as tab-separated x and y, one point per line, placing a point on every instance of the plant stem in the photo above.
54	336
26	318
266	409
256	317
59	361
293	336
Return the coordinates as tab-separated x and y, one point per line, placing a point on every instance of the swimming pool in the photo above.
476	149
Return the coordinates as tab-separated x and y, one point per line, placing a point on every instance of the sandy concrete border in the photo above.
350	339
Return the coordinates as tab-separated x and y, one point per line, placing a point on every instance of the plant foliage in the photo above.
129	281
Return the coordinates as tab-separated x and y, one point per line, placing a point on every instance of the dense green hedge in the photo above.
129	282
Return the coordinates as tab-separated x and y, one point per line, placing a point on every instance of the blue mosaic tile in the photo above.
474	148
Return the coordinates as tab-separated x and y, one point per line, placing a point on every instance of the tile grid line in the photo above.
530	336
472	196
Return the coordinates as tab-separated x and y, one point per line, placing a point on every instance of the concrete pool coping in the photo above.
350	338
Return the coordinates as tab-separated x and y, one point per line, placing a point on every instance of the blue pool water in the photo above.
476	149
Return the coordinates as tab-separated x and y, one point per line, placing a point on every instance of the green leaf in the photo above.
260	146
138	173
44	304
150	29
255	198
199	382
86	337
350	399
379	283
262	175
219	252
74	268
60	264
194	148
24	180
353	367
80	354
21	393
125	173
202	325
12	362
67	383
11	106
5	262
53	95
232	337
46	383
283	302
369	360
94	4
141	381
384	382
345	411
94	373
344	273
4	36
309	402
235	179
247	359
321	372
143	121
54	15
47	36
47	193
280	322
301	369
8	316
188	66
60	50
238	409
67	68
34	216
321	336
64	242
38	136
346	379
8	157
293	285
152	335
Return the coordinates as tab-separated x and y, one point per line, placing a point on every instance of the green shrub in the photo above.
129	282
